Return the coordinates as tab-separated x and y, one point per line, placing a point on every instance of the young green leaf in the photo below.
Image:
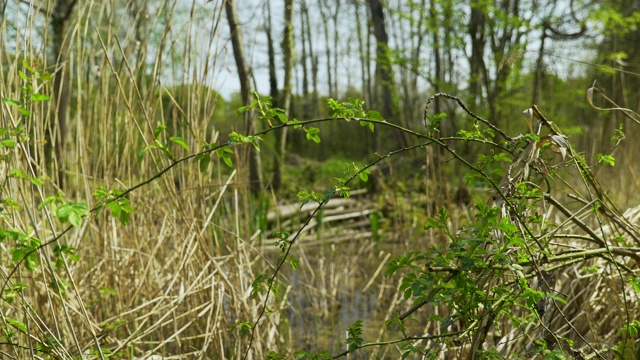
179	141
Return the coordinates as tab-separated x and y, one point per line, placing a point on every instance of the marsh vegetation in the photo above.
317	180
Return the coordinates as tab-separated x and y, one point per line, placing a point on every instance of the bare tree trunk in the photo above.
312	56
369	77
420	35
287	51
385	89
478	36
275	95
325	25
336	46
364	58
273	80
61	84
138	11
537	76
303	60
255	176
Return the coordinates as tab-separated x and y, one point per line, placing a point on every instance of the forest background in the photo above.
104	102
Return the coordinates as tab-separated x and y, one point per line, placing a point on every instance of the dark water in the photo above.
327	295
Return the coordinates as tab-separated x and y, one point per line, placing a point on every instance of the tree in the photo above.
385	92
61	85
287	51
255	175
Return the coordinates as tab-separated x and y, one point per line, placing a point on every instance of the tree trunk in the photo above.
313	57
273	80
364	58
287	51
336	46
325	26
385	89
303	61
478	37
255	176
61	84
538	74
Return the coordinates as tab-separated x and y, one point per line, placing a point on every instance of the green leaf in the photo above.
75	219
282	117
242	109
17	324
243	326
364	175
158	130
179	141
204	161
64	211
374	115
608	159
105	291
40	97
12	102
8	143
223	154
312	134
37	181
124	218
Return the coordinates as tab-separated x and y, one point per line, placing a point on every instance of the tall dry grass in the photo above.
178	276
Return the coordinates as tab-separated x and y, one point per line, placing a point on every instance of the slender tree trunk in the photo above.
336	46
303	60
273	80
61	84
478	36
287	51
415	63
385	88
255	178
437	55
369	77
325	26
363	57
537	76
313	57
138	11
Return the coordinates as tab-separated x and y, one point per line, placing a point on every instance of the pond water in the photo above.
336	285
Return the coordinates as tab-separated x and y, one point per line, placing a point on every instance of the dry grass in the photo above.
178	276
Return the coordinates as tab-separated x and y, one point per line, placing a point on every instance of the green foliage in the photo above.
353	109
272	355
163	146
354	339
33	81
23	247
223	154
242	326
260	285
606	159
12	292
68	251
433	125
632	328
266	112
115	201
